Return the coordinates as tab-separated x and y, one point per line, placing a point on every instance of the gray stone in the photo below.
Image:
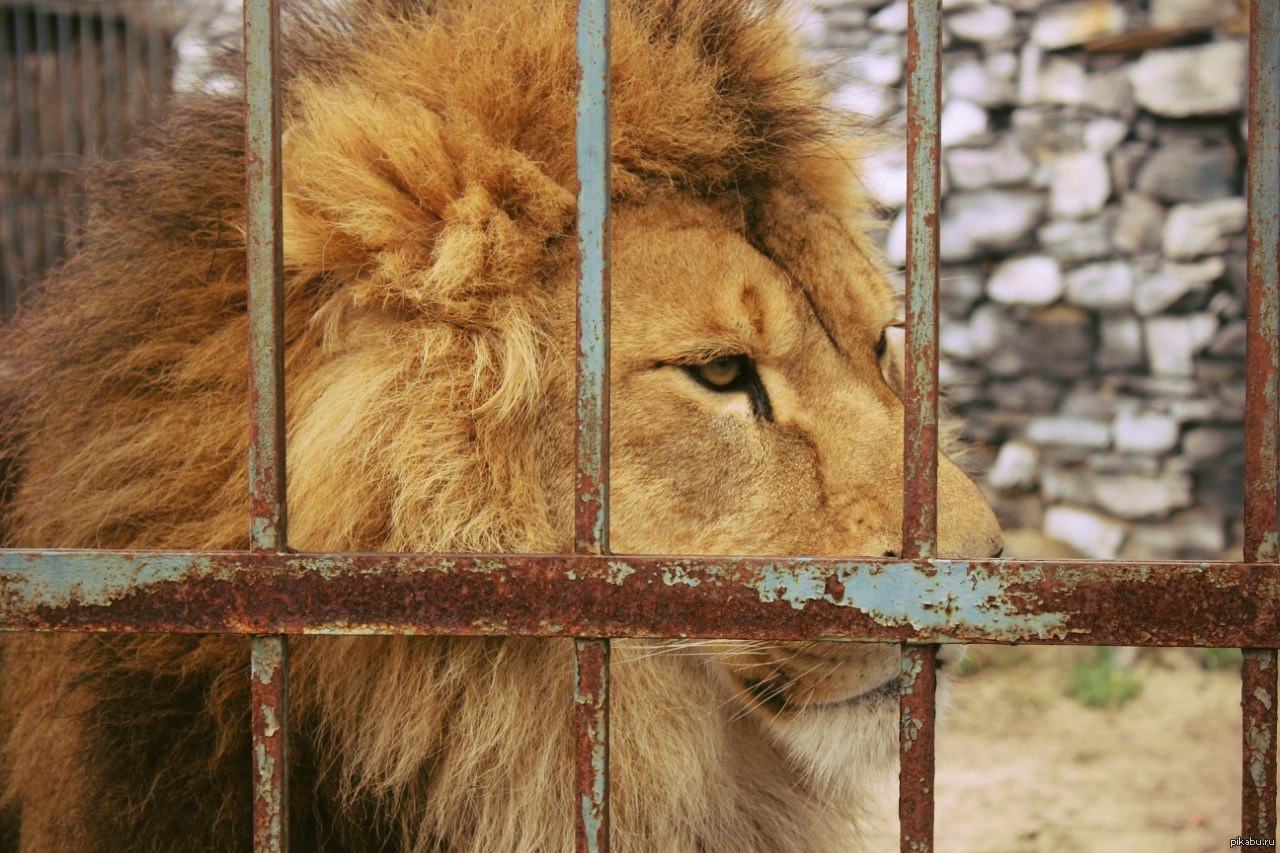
978	168
1097	403
1126	159
1071	24
1120	343
1188	81
1138	224
959	290
1028	85
1069	431
892	18
884	174
1100	286
982	23
1120	463
865	99
1025	394
1077	240
1034	280
955	342
1144	433
963	121
1104	134
877	67
1058	343
1142	497
1198	229
1080	186
1016	466
1194	533
1044	129
990	328
1173	342
1175	13
1069	485
1187	170
1213	444
1110	92
1061	81
1173	283
1230	341
974	223
971	80
1095	536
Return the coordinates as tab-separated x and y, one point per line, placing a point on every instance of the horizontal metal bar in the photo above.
1068	603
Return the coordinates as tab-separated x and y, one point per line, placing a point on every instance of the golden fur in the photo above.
429	243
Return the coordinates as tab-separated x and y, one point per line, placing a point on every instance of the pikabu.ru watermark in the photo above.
1252	842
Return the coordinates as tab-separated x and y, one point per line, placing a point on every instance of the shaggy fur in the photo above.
429	243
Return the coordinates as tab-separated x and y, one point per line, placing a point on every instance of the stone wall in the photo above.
1093	253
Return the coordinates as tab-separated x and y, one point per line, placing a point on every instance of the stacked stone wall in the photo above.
1092	238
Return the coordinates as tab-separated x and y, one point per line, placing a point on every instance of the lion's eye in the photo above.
723	372
882	344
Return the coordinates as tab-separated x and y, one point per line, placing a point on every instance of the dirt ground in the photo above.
1024	768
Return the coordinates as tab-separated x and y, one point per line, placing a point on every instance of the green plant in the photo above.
1098	682
1212	659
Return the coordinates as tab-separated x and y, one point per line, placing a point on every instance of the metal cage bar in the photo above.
591	596
269	665
1258	693
591	475
920	401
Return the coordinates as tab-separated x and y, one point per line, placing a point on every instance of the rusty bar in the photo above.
90	115
1262	409
591	493
920	399
267	515
1258	712
591	502
49	204
915	745
591	738
929	601
270	701
266	275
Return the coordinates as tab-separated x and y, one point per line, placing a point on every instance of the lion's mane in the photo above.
430	174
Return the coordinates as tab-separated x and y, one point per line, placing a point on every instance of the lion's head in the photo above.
429	216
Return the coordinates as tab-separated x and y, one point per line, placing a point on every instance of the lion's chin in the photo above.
852	744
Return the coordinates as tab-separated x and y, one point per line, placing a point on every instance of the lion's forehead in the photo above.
682	281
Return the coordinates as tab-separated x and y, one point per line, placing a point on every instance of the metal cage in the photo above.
917	601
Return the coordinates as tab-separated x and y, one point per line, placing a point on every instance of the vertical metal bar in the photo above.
591	492
920	419
67	111
591	741
267	517
114	97
48	203
89	113
134	94
916	746
1262	409
270	701
1258	714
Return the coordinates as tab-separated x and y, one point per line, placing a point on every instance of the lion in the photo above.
429	238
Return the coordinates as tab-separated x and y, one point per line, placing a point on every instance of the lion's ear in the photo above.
383	194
